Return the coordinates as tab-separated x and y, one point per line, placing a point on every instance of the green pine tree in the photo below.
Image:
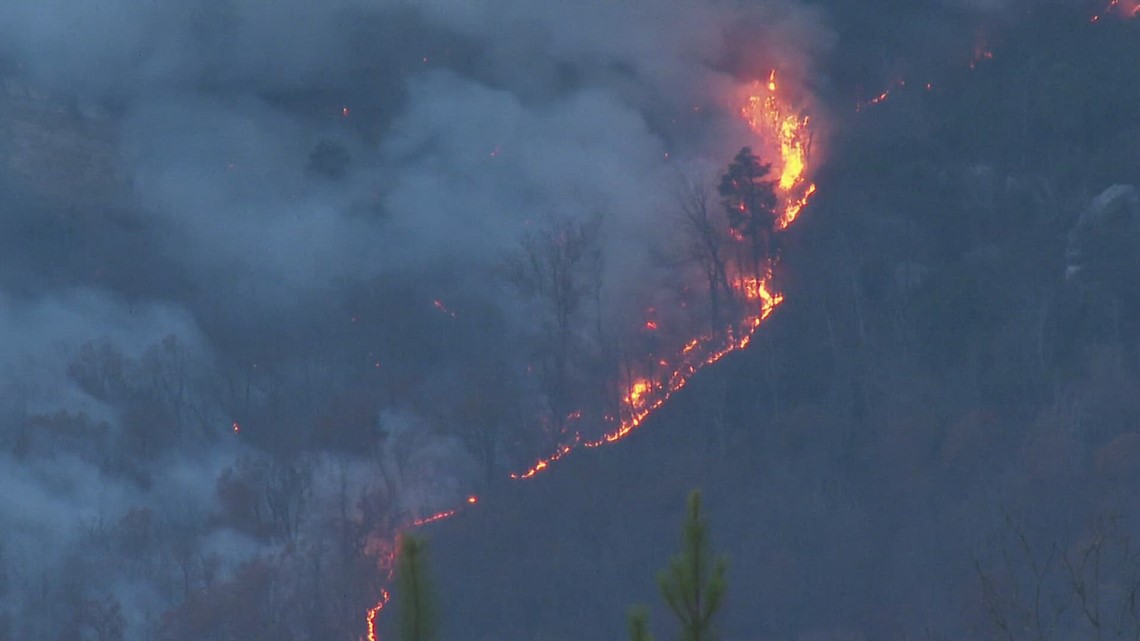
639	624
693	584
416	607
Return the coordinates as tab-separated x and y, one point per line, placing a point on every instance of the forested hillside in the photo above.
282	281
939	420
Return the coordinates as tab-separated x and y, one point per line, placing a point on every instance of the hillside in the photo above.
946	379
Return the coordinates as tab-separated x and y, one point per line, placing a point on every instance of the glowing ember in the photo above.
236	428
439	516
1124	8
438	304
884	95
981	54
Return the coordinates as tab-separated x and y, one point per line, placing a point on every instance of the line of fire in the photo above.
785	136
742	278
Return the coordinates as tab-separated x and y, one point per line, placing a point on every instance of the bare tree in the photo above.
707	244
559	267
486	412
1087	589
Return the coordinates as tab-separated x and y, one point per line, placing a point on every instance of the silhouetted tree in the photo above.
750	202
707	244
417	613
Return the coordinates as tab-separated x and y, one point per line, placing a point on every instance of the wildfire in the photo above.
637	392
544	463
374	611
1124	8
388	567
438	304
772	121
883	95
980	55
769	117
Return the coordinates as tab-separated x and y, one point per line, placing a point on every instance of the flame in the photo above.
637	392
438	304
388	567
883	95
1124	8
770	118
771	121
544	463
374	612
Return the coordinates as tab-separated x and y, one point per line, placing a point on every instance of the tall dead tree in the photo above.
559	268
705	230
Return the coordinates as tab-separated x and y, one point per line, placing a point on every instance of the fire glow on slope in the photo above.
1124	8
790	134
768	117
388	566
773	122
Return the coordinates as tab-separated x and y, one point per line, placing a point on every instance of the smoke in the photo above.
231	215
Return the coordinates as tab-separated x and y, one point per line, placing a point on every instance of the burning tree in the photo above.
750	202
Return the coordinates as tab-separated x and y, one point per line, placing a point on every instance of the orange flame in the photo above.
374	612
543	464
769	117
792	134
1124	8
388	567
771	120
438	304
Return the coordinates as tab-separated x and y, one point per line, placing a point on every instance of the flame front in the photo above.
788	133
771	119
